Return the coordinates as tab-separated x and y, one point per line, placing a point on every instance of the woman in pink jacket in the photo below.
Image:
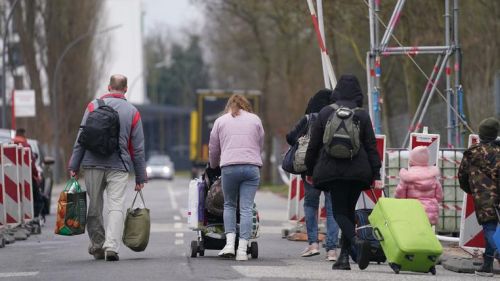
236	143
421	182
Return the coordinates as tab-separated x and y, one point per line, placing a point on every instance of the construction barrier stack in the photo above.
16	194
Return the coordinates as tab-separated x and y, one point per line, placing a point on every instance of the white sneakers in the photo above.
241	253
311	250
331	255
228	251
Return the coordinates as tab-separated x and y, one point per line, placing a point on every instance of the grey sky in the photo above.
176	14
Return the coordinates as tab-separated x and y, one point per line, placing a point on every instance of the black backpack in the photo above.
101	131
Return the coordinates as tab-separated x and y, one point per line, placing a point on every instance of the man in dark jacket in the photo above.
111	173
345	178
479	175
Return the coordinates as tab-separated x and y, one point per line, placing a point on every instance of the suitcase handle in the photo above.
377	234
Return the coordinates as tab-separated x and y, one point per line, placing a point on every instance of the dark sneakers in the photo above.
98	253
486	269
111	256
363	254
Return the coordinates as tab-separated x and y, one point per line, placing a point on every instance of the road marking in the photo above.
178	225
179	242
171	196
18	274
179	235
177	218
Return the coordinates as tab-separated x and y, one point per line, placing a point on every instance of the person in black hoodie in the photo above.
345	178
311	195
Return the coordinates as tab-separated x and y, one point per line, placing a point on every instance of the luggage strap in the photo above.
142	198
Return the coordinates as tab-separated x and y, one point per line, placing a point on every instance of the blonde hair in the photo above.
237	102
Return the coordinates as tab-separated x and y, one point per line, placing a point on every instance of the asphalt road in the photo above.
50	257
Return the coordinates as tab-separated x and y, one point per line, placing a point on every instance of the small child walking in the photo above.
420	181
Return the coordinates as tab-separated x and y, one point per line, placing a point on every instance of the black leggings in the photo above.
344	195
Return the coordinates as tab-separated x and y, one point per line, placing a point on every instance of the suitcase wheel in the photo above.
254	250
395	267
194	249
432	270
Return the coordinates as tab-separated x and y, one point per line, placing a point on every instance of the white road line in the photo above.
177	218
179	235
18	274
171	196
179	242
177	225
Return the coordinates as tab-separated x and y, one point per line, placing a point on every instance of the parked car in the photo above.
160	166
43	164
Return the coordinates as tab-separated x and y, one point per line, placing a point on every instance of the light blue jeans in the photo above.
311	205
239	181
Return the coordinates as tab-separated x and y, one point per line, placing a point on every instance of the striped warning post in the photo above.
26	184
11	180
296	199
368	199
3	211
471	233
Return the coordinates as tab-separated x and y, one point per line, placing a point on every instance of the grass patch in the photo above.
280	189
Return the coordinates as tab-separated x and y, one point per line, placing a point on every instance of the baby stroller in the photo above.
205	216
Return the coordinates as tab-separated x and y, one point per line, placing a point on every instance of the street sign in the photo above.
24	103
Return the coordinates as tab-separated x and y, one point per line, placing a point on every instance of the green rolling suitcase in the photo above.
405	234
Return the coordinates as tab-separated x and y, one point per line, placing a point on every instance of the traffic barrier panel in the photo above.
296	199
471	233
429	140
367	199
12	200
3	211
26	184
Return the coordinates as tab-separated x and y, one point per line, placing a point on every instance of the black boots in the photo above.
486	269
342	262
363	252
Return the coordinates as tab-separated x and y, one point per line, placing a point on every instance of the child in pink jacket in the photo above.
421	182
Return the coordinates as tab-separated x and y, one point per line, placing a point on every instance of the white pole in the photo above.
319	4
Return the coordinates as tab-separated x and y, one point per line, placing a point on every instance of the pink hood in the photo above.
422	183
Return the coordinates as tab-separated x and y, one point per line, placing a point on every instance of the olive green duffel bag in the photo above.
137	227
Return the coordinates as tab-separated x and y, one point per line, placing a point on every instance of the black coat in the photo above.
363	168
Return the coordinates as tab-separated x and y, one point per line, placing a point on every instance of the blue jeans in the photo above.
311	205
489	229
239	181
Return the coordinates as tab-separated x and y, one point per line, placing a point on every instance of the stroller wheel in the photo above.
284	233
254	250
194	249
202	253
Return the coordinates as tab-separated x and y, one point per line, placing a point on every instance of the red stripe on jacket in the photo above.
137	117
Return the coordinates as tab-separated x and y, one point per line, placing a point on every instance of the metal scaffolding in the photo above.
451	49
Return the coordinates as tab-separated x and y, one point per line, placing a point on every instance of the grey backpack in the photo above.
303	142
341	136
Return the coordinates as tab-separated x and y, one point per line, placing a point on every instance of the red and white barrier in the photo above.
10	162
429	140
366	199
3	211
471	233
26	185
296	195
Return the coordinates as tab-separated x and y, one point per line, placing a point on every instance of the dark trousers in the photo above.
344	195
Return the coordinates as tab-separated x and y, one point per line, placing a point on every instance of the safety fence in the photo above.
16	194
